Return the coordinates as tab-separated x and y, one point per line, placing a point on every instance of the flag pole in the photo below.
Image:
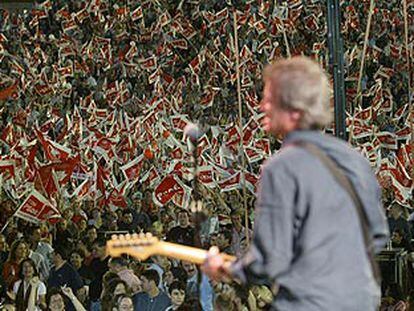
407	53
364	51
241	147
361	69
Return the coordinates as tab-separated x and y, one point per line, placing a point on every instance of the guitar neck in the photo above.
143	246
187	253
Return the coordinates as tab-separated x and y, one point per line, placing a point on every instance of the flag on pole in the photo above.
36	208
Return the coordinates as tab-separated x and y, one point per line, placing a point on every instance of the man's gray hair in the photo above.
301	85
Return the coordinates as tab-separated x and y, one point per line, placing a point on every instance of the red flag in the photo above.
180	44
167	189
8	91
231	183
405	156
53	150
132	169
404	133
388	140
117	198
251	182
263	144
7	166
206	176
137	14
151	177
36	208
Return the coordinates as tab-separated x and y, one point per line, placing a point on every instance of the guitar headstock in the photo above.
140	246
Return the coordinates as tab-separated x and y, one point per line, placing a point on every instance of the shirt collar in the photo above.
302	135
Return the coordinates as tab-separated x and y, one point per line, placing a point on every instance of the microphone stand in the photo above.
196	207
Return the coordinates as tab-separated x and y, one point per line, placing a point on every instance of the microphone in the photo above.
193	132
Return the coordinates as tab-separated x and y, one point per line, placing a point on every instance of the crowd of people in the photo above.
66	265
94	99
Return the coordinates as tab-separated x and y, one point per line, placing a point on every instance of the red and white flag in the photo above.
206	176
132	169
388	140
231	183
36	208
167	189
7	166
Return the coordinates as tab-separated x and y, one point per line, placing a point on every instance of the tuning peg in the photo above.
121	237
148	235
114	237
135	235
142	235
127	236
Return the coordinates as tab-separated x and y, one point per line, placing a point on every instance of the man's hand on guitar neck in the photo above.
215	266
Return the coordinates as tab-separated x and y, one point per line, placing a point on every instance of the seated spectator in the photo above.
82	225
98	267
141	218
11	268
160	264
71	226
63	236
41	263
29	291
204	292
114	288
126	222
224	303
398	240
223	241
77	260
119	265
123	302
107	278
152	298
396	220
176	292
96	218
183	233
174	274
62	300
91	236
63	274
34	238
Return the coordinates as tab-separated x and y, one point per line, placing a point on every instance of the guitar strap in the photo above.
347	185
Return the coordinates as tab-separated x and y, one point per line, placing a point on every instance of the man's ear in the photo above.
296	115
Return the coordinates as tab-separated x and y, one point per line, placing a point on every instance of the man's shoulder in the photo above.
284	158
68	269
163	299
140	298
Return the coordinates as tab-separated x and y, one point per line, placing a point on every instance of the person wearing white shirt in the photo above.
29	291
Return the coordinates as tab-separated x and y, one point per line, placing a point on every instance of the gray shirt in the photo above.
307	236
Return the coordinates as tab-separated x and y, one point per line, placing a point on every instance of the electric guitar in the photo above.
144	245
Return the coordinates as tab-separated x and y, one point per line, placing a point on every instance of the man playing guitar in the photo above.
313	237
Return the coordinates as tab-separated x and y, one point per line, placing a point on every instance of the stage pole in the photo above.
241	147
336	64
